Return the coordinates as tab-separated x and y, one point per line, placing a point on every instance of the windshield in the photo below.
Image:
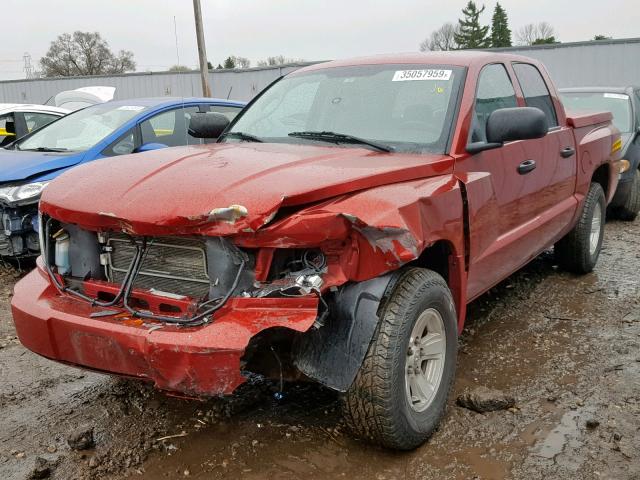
618	104
81	130
405	107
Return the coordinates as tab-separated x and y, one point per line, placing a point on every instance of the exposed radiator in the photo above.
171	264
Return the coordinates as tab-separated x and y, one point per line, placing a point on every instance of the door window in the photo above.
169	128
36	120
7	129
494	91
535	91
126	144
226	110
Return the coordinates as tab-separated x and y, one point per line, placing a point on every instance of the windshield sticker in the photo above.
131	108
431	74
619	96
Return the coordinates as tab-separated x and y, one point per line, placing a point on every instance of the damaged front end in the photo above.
134	282
193	277
19	220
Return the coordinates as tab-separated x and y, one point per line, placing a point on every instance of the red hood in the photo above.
179	190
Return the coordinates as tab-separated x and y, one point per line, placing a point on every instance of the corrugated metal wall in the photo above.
602	63
234	84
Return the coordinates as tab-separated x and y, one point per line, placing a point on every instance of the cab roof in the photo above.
461	58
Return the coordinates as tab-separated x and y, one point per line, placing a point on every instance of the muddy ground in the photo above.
567	348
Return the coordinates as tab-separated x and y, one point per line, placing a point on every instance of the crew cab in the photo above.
335	232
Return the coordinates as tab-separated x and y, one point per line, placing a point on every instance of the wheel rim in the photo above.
425	360
596	224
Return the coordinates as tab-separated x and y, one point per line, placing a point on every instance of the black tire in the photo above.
629	211
376	407
574	252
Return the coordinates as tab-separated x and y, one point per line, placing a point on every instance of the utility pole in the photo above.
202	51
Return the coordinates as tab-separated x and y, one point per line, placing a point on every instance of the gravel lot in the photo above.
567	348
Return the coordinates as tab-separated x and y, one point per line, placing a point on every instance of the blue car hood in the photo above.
16	165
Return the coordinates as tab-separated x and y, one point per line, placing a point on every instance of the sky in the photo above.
301	29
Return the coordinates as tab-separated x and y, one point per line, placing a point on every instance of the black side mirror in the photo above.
207	125
520	123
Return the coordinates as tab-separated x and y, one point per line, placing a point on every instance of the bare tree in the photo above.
441	39
545	30
179	68
241	62
84	53
278	60
535	33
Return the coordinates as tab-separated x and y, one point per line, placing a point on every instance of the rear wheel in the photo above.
400	393
579	250
629	211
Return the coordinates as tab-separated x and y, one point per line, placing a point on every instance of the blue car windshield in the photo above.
81	130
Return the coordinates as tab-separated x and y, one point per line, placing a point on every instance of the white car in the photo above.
17	119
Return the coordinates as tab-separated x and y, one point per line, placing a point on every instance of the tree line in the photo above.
87	53
468	32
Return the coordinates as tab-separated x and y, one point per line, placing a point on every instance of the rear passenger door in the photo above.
556	166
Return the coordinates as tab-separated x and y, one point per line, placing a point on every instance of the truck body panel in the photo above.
302	223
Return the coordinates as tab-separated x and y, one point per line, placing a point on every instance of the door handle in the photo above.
567	152
526	167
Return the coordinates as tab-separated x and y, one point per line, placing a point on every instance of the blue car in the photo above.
96	132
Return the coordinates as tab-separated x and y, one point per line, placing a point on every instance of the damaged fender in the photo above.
332	354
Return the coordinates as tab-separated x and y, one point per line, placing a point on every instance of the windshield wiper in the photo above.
44	149
247	137
341	138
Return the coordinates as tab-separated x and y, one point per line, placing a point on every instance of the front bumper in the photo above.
198	361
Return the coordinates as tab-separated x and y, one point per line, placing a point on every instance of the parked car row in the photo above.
100	131
335	230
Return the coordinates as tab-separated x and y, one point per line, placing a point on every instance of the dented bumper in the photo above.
199	361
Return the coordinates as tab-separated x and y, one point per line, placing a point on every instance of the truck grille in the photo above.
171	264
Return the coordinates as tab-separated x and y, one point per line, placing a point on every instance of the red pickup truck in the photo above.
335	231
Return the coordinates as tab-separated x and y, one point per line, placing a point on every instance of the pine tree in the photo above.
471	34
230	63
500	32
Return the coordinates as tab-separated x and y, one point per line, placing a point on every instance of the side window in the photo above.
7	129
536	93
169	128
126	144
36	120
494	91
227	111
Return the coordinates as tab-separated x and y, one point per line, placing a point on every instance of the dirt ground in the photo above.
568	348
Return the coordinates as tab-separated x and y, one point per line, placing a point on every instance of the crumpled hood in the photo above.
16	165
221	189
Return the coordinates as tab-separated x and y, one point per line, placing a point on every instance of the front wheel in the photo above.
400	392
578	251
